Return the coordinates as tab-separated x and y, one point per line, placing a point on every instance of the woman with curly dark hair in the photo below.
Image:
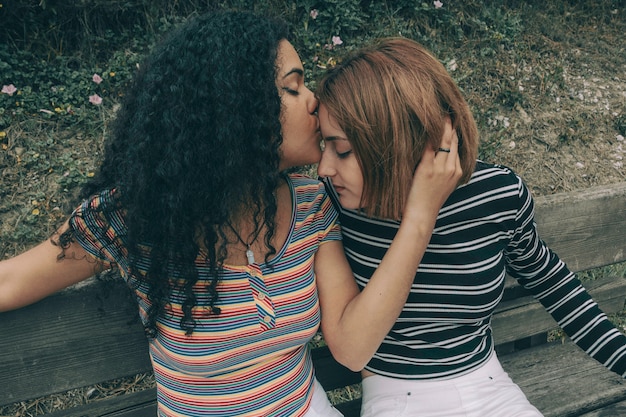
234	263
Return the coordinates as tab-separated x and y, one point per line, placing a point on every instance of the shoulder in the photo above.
306	187
491	187
494	172
100	210
492	178
99	226
106	199
310	198
301	180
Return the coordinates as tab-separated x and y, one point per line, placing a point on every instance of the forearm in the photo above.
584	322
40	271
565	298
370	315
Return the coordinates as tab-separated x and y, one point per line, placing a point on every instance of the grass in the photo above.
540	77
545	81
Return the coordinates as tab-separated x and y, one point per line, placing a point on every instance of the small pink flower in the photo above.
95	99
9	89
314	13
336	40
96	79
438	4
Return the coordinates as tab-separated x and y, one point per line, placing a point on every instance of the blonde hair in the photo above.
392	100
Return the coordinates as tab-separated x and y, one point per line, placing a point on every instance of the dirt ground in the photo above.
549	154
565	127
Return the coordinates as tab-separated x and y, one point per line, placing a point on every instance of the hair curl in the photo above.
195	144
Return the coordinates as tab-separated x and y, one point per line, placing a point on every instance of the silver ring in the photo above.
444	150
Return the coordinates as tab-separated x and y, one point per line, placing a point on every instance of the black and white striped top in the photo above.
484	230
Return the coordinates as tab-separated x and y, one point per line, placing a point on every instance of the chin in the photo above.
348	203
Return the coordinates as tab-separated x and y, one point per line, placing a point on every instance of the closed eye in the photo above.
291	91
333	141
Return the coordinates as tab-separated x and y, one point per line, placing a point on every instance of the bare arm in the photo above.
40	272
354	324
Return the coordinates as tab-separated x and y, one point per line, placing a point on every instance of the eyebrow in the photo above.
298	71
334	138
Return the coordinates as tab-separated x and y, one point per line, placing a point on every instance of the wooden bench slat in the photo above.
587	228
613	410
136	404
70	340
562	381
524	317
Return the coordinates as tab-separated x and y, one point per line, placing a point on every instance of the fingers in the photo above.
445	157
449	135
442	163
449	141
449	151
446	145
436	177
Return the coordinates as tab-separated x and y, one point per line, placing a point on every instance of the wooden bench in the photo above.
78	337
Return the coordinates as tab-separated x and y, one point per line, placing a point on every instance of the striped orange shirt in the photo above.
252	359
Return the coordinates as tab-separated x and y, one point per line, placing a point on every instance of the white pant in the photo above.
485	392
320	406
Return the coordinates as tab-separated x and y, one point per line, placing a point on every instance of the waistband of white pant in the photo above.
382	384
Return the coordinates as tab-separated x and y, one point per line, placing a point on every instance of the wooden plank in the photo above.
136	404
587	228
562	381
70	340
613	410
523	317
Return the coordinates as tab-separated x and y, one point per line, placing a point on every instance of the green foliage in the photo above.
59	88
504	55
68	42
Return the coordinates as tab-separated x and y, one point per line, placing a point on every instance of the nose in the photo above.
325	167
312	103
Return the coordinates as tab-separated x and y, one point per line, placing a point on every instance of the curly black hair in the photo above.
195	142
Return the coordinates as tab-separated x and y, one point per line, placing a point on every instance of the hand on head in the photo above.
437	175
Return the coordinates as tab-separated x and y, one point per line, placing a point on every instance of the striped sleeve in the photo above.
98	230
312	195
328	218
541	271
